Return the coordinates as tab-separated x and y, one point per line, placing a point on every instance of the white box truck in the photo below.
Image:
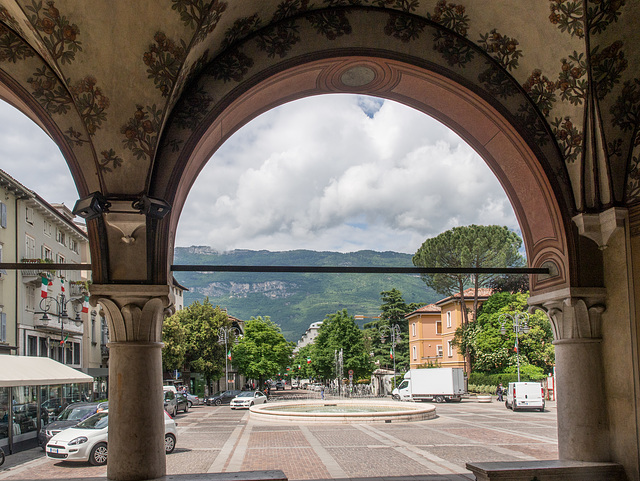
436	384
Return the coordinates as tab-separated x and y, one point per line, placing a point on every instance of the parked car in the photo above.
87	441
294	384
246	399
193	400
280	385
70	416
182	402
170	402
221	398
525	395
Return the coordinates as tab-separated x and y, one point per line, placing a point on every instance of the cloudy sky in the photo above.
336	172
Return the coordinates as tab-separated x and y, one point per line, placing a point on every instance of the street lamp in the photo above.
61	312
225	334
393	332
520	322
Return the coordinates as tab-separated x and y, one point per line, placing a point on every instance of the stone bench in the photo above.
551	470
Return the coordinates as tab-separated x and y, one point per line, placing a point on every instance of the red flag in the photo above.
515	347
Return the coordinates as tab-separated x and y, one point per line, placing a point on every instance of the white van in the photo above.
525	395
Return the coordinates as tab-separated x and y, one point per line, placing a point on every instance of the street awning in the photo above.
37	371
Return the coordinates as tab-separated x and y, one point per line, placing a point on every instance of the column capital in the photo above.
135	312
575	313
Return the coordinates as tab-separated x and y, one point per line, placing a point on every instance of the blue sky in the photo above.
335	172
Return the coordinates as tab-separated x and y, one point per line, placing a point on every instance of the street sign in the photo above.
350	375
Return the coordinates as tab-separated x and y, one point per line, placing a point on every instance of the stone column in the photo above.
575	316
136	421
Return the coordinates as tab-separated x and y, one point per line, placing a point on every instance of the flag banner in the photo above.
85	305
64	340
308	360
62	285
391	353
229	355
515	347
44	287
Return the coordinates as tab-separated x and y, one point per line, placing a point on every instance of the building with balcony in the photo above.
433	327
309	336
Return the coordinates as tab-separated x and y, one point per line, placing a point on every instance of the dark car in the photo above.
221	398
182	401
69	417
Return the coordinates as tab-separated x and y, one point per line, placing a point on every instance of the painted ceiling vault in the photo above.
126	88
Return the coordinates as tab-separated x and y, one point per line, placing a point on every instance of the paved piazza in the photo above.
217	439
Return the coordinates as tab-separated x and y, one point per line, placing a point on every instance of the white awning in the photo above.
36	371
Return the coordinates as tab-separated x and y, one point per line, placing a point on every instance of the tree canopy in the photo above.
493	352
340	331
263	351
190	339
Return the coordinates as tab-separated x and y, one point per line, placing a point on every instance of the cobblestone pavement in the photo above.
216	439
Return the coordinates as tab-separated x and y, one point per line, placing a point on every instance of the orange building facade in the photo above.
433	327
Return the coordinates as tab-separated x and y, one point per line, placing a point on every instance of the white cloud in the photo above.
340	173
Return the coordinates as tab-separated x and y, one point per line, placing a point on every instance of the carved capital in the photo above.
600	227
575	313
134	312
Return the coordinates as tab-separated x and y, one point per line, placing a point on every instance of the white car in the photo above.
87	441
246	399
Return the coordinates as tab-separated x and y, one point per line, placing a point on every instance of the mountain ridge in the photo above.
295	300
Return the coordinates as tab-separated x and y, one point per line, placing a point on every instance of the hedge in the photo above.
484	379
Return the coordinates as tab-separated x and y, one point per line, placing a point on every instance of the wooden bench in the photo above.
551	470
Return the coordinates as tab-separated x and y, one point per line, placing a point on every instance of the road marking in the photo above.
218	465
329	461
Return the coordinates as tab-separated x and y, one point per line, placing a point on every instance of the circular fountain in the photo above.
342	411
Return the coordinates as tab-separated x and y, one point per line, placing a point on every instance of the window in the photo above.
3	215
68	353
415	352
413	329
438	327
30	298
449	349
93	330
61	260
439	350
29	215
48	228
76	353
448	318
61	237
47	253
44	347
73	245
32	346
3	327
2	271
30	247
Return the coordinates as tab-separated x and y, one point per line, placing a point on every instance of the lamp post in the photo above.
393	332
225	334
61	303
520	322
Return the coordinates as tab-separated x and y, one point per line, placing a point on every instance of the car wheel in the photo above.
439	399
186	407
506	404
190	404
175	411
218	402
98	456
169	443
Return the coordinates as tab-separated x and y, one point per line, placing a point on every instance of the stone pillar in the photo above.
575	316
136	421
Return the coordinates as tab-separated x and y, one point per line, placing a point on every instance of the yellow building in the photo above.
432	328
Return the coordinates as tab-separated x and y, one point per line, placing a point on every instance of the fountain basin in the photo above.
342	412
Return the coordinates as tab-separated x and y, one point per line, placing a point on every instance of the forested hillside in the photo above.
296	300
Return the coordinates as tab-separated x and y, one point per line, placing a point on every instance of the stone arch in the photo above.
519	148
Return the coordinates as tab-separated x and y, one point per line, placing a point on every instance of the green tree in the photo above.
493	352
263	351
392	312
195	328
340	331
307	369
472	246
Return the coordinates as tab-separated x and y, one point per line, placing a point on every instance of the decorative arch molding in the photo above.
543	222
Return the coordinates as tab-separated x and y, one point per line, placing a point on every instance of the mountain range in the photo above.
295	300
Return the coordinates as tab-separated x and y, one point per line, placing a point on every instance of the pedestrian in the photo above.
499	392
322	392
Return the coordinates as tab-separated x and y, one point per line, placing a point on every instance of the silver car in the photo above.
246	399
